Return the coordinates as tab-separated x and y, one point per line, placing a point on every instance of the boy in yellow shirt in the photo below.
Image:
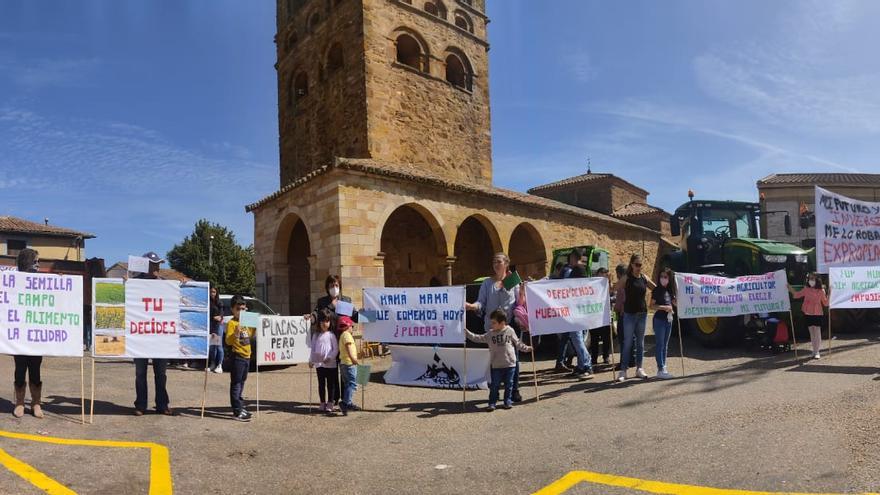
348	361
239	338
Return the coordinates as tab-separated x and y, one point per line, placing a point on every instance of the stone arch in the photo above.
292	275
459	72
411	49
528	252
435	8
292	39
413	246
464	21
299	88
335	58
476	240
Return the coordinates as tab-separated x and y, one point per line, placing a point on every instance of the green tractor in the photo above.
721	238
596	258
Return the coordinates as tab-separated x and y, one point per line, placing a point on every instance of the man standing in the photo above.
159	365
577	269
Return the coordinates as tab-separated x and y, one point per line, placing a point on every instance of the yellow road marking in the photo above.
34	477
573	478
160	463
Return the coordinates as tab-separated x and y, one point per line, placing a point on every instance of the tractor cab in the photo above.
705	228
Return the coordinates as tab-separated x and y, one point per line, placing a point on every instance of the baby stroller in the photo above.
776	335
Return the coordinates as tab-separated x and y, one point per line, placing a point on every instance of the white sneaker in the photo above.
664	375
218	369
640	372
621	376
816	356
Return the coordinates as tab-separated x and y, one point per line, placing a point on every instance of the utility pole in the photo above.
211	251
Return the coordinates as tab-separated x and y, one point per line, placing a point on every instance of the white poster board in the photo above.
283	340
138	264
567	305
847	231
426	315
702	296
438	367
41	314
854	287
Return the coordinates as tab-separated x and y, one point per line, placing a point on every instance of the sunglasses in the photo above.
639	265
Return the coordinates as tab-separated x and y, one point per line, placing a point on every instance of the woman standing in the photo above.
662	302
814	298
333	288
215	351
494	296
635	315
28	367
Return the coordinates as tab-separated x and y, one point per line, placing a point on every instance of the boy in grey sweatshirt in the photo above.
502	356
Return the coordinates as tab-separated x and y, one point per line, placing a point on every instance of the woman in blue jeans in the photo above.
635	315
662	302
215	351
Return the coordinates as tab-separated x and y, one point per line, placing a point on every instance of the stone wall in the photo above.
598	195
346	212
419	118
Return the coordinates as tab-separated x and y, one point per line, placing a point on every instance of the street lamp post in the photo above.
211	252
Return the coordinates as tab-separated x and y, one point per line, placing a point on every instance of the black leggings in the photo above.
29	365
328	384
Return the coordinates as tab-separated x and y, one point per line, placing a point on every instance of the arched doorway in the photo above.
475	243
414	248
299	272
527	252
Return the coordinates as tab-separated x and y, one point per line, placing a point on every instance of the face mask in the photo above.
664	281
811	283
334	291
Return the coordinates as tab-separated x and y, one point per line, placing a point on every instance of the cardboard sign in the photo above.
249	319
344	308
568	305
428	315
283	340
41	314
710	295
847	231
854	287
363	374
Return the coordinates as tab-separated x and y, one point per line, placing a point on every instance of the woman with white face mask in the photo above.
663	302
333	286
814	298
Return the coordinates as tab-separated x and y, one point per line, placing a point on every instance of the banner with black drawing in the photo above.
438	367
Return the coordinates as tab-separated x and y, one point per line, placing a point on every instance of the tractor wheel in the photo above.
713	332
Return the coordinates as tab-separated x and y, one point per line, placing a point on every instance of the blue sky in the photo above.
132	119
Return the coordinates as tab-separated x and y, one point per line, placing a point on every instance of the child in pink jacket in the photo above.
814	298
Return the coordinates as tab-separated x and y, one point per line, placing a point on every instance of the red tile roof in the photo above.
588	177
820	179
411	174
635	209
20	225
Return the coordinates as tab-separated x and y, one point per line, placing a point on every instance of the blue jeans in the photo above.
633	326
215	356
237	377
501	375
140	383
349	383
662	332
576	339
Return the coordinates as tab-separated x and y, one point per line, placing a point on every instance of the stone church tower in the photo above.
385	148
338	96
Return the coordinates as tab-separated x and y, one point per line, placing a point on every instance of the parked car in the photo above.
254	305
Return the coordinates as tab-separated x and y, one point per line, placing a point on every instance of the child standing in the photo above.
348	362
814	298
325	349
239	339
503	343
662	302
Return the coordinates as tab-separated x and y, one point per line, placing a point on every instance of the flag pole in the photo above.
82	388
793	337
680	346
205	389
534	369
829	331
464	378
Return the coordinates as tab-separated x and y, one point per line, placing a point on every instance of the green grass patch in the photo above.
109	293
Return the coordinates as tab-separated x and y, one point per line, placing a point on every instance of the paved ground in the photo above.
739	419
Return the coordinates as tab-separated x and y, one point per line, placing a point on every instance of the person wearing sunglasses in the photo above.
27	368
635	286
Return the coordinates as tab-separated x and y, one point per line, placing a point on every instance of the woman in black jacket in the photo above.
28	367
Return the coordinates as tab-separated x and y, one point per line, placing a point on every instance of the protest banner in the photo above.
432	315
854	287
283	340
567	305
702	295
847	231
41	314
144	318
438	367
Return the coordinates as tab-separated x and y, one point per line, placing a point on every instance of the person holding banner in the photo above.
160	366
325	353
215	350
503	344
28	366
601	333
635	315
814	298
239	339
577	339
663	302
494	294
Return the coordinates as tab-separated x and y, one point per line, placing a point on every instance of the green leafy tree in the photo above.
232	266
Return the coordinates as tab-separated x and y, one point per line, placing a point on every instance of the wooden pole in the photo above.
464	380
611	333
205	390
82	388
829	331
680	346
534	369
258	391
92	401
793	338
311	369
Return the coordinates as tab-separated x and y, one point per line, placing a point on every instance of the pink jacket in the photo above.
814	299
